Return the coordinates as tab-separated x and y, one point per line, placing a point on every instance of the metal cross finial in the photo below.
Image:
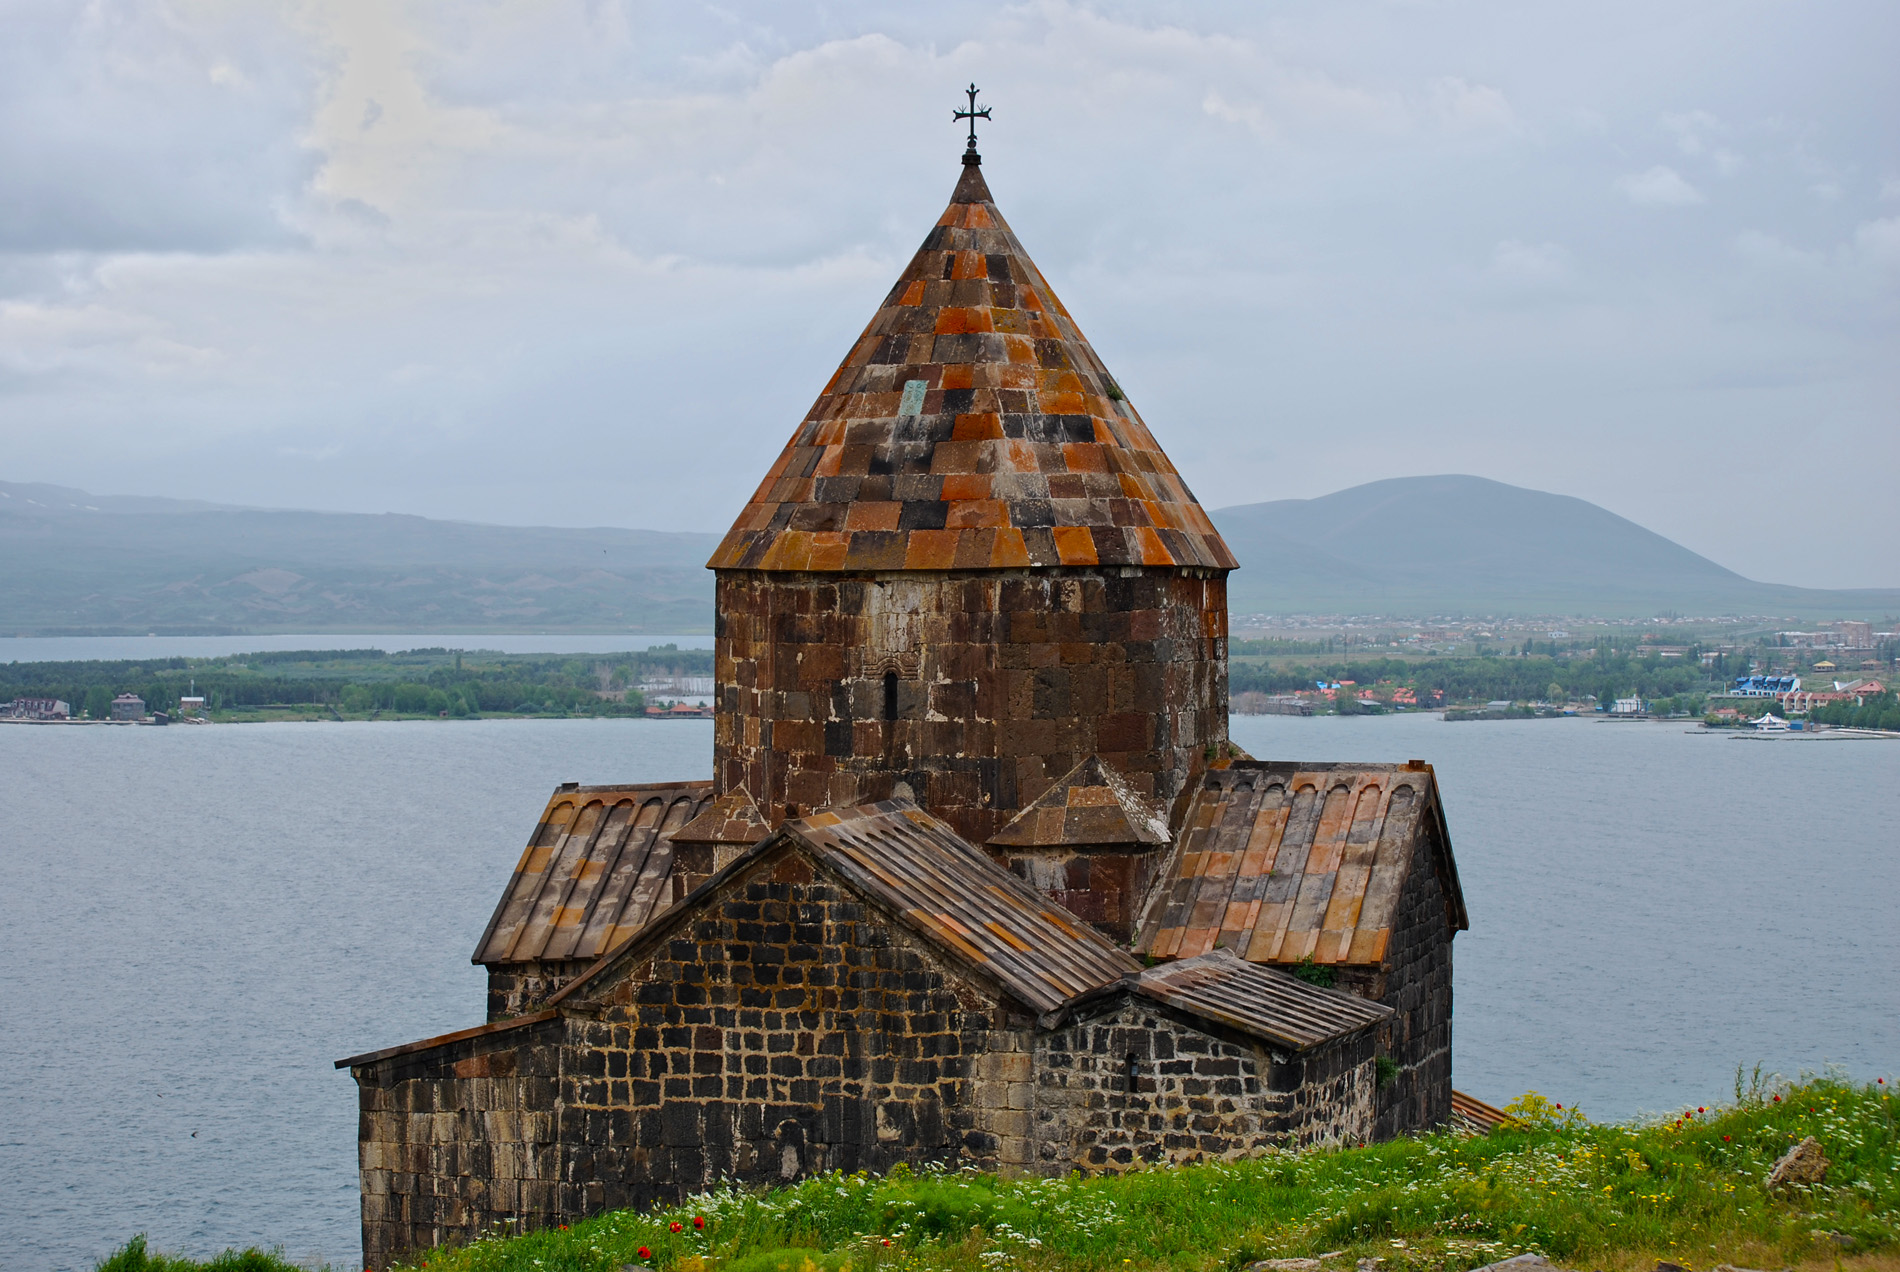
973	114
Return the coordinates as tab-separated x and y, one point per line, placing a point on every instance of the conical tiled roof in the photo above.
971	427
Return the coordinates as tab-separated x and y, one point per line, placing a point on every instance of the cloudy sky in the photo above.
572	262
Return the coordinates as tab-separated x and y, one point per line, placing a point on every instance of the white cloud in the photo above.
1472	107
1879	241
1762	248
1659	186
1530	264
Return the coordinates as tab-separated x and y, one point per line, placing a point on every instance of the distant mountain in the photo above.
1466	545
76	563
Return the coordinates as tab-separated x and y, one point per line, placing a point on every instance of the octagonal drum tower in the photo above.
971	568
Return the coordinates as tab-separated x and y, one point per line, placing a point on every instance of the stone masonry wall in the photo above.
515	989
787	1027
458	1138
1196	1096
978	689
1417	985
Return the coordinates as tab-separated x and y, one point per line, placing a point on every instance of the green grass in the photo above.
1688	1189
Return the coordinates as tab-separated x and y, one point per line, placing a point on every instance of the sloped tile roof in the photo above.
1470	1113
971	427
1268	1004
1281	862
957	897
1090	805
595	869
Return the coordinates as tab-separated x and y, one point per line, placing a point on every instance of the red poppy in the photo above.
675	1226
699	1221
1725	1139
644	1253
1777	1099
1702	1110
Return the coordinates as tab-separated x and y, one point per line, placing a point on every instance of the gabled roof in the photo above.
955	895
1281	862
946	890
1089	805
1270	1005
595	869
971	427
730	819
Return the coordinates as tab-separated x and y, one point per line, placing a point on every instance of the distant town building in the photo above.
128	706
1765	686
191	704
1855	635
1628	706
38	709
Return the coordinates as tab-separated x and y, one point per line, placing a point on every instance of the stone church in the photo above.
978	878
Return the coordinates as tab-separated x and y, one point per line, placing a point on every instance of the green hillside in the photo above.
1466	545
74	563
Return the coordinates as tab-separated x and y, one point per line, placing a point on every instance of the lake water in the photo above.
198	921
80	648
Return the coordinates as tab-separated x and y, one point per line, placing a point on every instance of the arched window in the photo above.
890	695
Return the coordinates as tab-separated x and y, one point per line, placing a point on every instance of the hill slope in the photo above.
71	562
1456	544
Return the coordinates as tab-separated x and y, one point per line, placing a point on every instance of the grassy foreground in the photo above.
1688	1190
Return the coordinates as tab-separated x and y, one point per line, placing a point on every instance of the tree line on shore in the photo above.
366	681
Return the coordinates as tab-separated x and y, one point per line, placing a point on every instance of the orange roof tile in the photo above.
971	426
595	870
1282	862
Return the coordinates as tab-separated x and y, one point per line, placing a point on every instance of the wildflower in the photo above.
1725	1139
644	1254
1777	1099
1702	1110
699	1221
675	1226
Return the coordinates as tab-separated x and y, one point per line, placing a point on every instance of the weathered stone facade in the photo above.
1139	1083
977	690
784	1023
514	989
1415	981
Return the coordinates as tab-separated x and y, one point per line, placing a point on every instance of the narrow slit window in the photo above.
1134	1073
890	695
